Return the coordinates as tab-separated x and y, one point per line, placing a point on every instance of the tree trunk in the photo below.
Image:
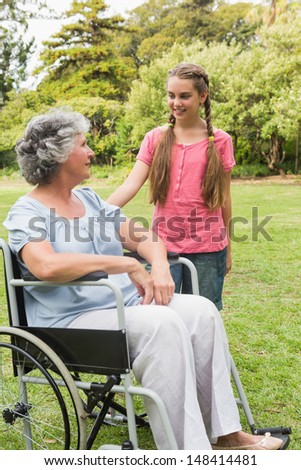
276	155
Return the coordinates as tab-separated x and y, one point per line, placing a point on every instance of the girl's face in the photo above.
184	99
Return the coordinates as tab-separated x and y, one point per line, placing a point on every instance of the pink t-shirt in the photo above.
185	222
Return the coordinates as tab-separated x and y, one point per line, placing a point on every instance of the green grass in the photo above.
262	294
263	305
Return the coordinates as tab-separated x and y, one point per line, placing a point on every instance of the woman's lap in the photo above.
173	350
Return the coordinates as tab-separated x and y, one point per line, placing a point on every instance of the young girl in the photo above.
188	163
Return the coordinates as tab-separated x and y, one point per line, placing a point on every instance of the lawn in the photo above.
262	301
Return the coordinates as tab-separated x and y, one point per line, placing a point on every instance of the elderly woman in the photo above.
60	233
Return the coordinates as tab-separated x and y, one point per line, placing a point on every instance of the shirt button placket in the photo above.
180	170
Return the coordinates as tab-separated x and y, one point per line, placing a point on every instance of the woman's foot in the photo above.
243	441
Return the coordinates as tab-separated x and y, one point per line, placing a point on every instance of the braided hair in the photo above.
159	178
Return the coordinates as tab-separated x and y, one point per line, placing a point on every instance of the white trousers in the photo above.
181	352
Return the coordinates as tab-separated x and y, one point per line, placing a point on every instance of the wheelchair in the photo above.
47	389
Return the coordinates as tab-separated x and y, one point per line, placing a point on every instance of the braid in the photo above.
207	105
159	175
171	120
214	182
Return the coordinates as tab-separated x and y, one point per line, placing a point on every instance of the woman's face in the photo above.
78	163
184	99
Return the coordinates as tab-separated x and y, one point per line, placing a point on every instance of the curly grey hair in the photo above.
47	142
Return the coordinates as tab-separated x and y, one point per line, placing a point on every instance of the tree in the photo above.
151	30
14	49
81	59
19	108
210	20
158	24
232	24
22	106
277	109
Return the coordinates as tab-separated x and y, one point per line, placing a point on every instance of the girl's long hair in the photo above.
159	177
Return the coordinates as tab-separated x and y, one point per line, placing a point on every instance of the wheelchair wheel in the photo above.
40	407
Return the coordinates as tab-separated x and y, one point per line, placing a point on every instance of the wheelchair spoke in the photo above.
33	416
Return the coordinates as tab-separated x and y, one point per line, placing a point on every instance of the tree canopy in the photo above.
81	58
114	70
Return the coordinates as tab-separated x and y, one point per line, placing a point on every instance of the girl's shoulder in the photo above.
156	132
224	144
221	136
151	139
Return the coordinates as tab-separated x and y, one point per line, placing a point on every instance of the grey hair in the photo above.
47	142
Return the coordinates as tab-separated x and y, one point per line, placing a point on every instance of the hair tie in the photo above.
211	138
170	124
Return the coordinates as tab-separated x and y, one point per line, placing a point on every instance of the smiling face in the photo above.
77	166
184	99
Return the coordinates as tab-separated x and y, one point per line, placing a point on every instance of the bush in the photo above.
8	159
250	171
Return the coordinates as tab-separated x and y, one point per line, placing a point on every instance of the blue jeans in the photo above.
211	268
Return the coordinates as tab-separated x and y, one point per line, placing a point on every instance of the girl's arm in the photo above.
131	185
227	218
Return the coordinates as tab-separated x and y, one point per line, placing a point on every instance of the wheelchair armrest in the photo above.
28	276
95	276
171	256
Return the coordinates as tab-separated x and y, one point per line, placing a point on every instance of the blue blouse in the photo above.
95	233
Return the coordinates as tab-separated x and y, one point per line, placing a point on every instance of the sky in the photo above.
43	29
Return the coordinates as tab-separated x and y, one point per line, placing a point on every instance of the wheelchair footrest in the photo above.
275	430
127	445
280	432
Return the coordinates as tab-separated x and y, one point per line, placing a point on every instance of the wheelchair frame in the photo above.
58	356
30	345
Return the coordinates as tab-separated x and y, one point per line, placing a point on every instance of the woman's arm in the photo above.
131	185
147	244
227	218
48	265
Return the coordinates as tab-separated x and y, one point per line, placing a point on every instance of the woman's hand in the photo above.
143	282
164	285
150	247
